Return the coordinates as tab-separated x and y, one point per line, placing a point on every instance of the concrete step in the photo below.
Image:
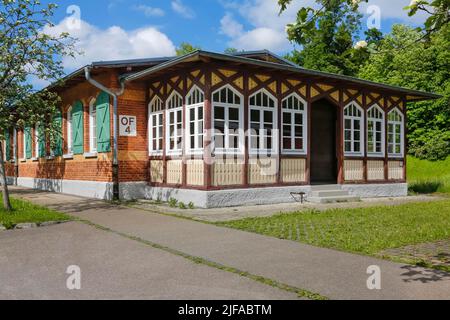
336	199
331	187
330	193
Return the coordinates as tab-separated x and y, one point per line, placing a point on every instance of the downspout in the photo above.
114	95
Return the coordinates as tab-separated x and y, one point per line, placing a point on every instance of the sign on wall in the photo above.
127	126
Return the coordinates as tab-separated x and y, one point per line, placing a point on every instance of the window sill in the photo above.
396	156
50	158
68	156
91	155
375	155
23	160
293	153
35	159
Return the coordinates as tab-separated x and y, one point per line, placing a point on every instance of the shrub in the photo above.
173	202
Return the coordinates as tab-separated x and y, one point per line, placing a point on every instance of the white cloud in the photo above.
113	43
179	7
149	11
255	39
267	27
230	27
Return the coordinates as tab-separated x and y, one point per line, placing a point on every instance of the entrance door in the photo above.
324	160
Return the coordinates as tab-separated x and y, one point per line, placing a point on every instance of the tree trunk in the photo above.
3	181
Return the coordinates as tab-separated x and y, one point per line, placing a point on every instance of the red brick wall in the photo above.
133	151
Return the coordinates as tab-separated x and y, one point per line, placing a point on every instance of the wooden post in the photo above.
207	156
341	158
309	124
365	135
245	180
386	133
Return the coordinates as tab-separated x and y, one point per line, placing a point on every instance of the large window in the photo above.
395	133
195	120
93	126
155	125
354	129
228	121
175	124
263	123
375	132
69	131
294	125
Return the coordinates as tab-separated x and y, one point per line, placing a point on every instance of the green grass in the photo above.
429	177
363	230
26	212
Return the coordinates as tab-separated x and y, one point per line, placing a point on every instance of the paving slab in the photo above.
34	262
334	274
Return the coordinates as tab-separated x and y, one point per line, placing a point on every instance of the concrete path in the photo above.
33	265
333	274
229	214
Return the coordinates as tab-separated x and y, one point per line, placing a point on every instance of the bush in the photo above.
433	145
173	202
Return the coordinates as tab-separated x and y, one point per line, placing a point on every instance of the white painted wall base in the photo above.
202	199
377	190
88	189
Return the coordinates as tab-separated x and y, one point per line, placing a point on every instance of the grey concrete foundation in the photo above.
88	189
377	190
202	199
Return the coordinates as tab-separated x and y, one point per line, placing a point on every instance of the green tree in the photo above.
425	65
438	11
25	51
327	44
186	48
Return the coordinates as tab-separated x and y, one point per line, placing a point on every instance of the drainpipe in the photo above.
114	95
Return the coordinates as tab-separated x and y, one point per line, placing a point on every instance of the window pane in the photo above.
299	144
254	116
268	116
233	114
298	118
287	118
287	143
219	113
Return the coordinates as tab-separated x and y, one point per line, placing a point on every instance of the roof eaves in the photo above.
279	66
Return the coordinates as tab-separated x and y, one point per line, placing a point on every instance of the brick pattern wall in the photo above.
133	151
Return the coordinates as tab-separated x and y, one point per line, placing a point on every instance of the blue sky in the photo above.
125	29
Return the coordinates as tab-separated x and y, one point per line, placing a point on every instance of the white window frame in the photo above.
24	151
196	149
262	110
69	131
293	112
371	153
151	124
227	106
362	142
93	127
178	150
14	144
402	134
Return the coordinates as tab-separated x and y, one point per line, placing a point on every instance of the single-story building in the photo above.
217	130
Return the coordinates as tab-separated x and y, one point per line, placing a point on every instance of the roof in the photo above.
242	58
135	69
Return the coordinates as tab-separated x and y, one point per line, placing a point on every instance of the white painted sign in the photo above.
128	126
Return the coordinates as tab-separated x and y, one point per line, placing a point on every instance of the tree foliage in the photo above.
186	48
27	51
328	41
425	65
438	11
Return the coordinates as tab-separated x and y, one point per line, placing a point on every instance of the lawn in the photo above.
364	230
26	212
429	177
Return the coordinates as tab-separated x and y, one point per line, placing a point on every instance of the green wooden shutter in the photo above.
78	128
103	123
7	146
58	147
41	142
28	143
